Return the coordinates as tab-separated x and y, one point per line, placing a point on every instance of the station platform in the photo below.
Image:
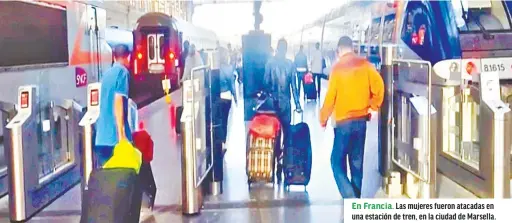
263	203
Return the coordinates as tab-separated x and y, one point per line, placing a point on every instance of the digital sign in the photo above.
94	97
24	99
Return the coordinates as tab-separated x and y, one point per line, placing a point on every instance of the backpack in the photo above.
308	78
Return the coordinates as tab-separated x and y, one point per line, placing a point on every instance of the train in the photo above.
156	44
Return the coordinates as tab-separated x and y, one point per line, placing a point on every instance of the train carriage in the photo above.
157	46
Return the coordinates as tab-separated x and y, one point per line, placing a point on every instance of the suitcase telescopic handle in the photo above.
301	115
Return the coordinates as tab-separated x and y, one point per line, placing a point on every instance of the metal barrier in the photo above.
31	188
492	120
7	112
196	161
87	124
414	148
471	140
386	112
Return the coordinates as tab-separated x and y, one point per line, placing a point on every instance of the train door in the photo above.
156	52
94	14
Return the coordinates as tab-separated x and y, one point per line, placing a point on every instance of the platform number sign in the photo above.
80	77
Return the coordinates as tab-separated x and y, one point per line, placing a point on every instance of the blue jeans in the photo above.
349	139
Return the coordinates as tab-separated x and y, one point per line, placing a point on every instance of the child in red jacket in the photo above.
142	141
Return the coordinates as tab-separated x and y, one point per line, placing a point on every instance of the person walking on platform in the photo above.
355	91
228	93
301	63
183	57
279	77
317	67
238	66
112	125
193	60
232	57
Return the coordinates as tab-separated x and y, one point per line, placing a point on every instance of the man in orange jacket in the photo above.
355	90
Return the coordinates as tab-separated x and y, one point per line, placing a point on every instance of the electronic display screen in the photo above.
94	97
24	99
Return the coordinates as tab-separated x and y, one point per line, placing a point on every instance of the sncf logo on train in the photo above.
80	77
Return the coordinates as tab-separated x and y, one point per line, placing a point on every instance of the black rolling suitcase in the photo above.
298	157
113	196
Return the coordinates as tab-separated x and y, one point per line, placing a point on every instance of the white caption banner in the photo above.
427	210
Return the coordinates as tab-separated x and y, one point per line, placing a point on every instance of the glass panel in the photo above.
161	44
451	124
412	149
461	123
506	94
43	126
151	43
60	134
3	118
389	25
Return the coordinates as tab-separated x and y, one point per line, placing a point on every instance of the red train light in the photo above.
171	55
139	55
415	38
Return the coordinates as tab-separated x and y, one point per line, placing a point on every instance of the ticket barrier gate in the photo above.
7	112
29	191
413	150
196	156
475	144
87	124
493	120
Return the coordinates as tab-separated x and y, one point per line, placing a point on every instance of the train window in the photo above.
481	15
32	34
151	47
389	26
161	47
375	30
416	30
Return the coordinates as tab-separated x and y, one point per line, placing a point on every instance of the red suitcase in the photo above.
143	142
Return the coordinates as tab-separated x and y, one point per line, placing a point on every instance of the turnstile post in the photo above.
87	123
386	113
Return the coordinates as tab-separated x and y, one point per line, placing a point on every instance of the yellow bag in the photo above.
125	156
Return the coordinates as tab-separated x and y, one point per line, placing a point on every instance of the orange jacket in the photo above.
354	87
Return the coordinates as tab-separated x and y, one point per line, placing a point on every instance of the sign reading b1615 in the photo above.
493	67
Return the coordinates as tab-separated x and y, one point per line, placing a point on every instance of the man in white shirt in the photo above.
317	67
193	60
